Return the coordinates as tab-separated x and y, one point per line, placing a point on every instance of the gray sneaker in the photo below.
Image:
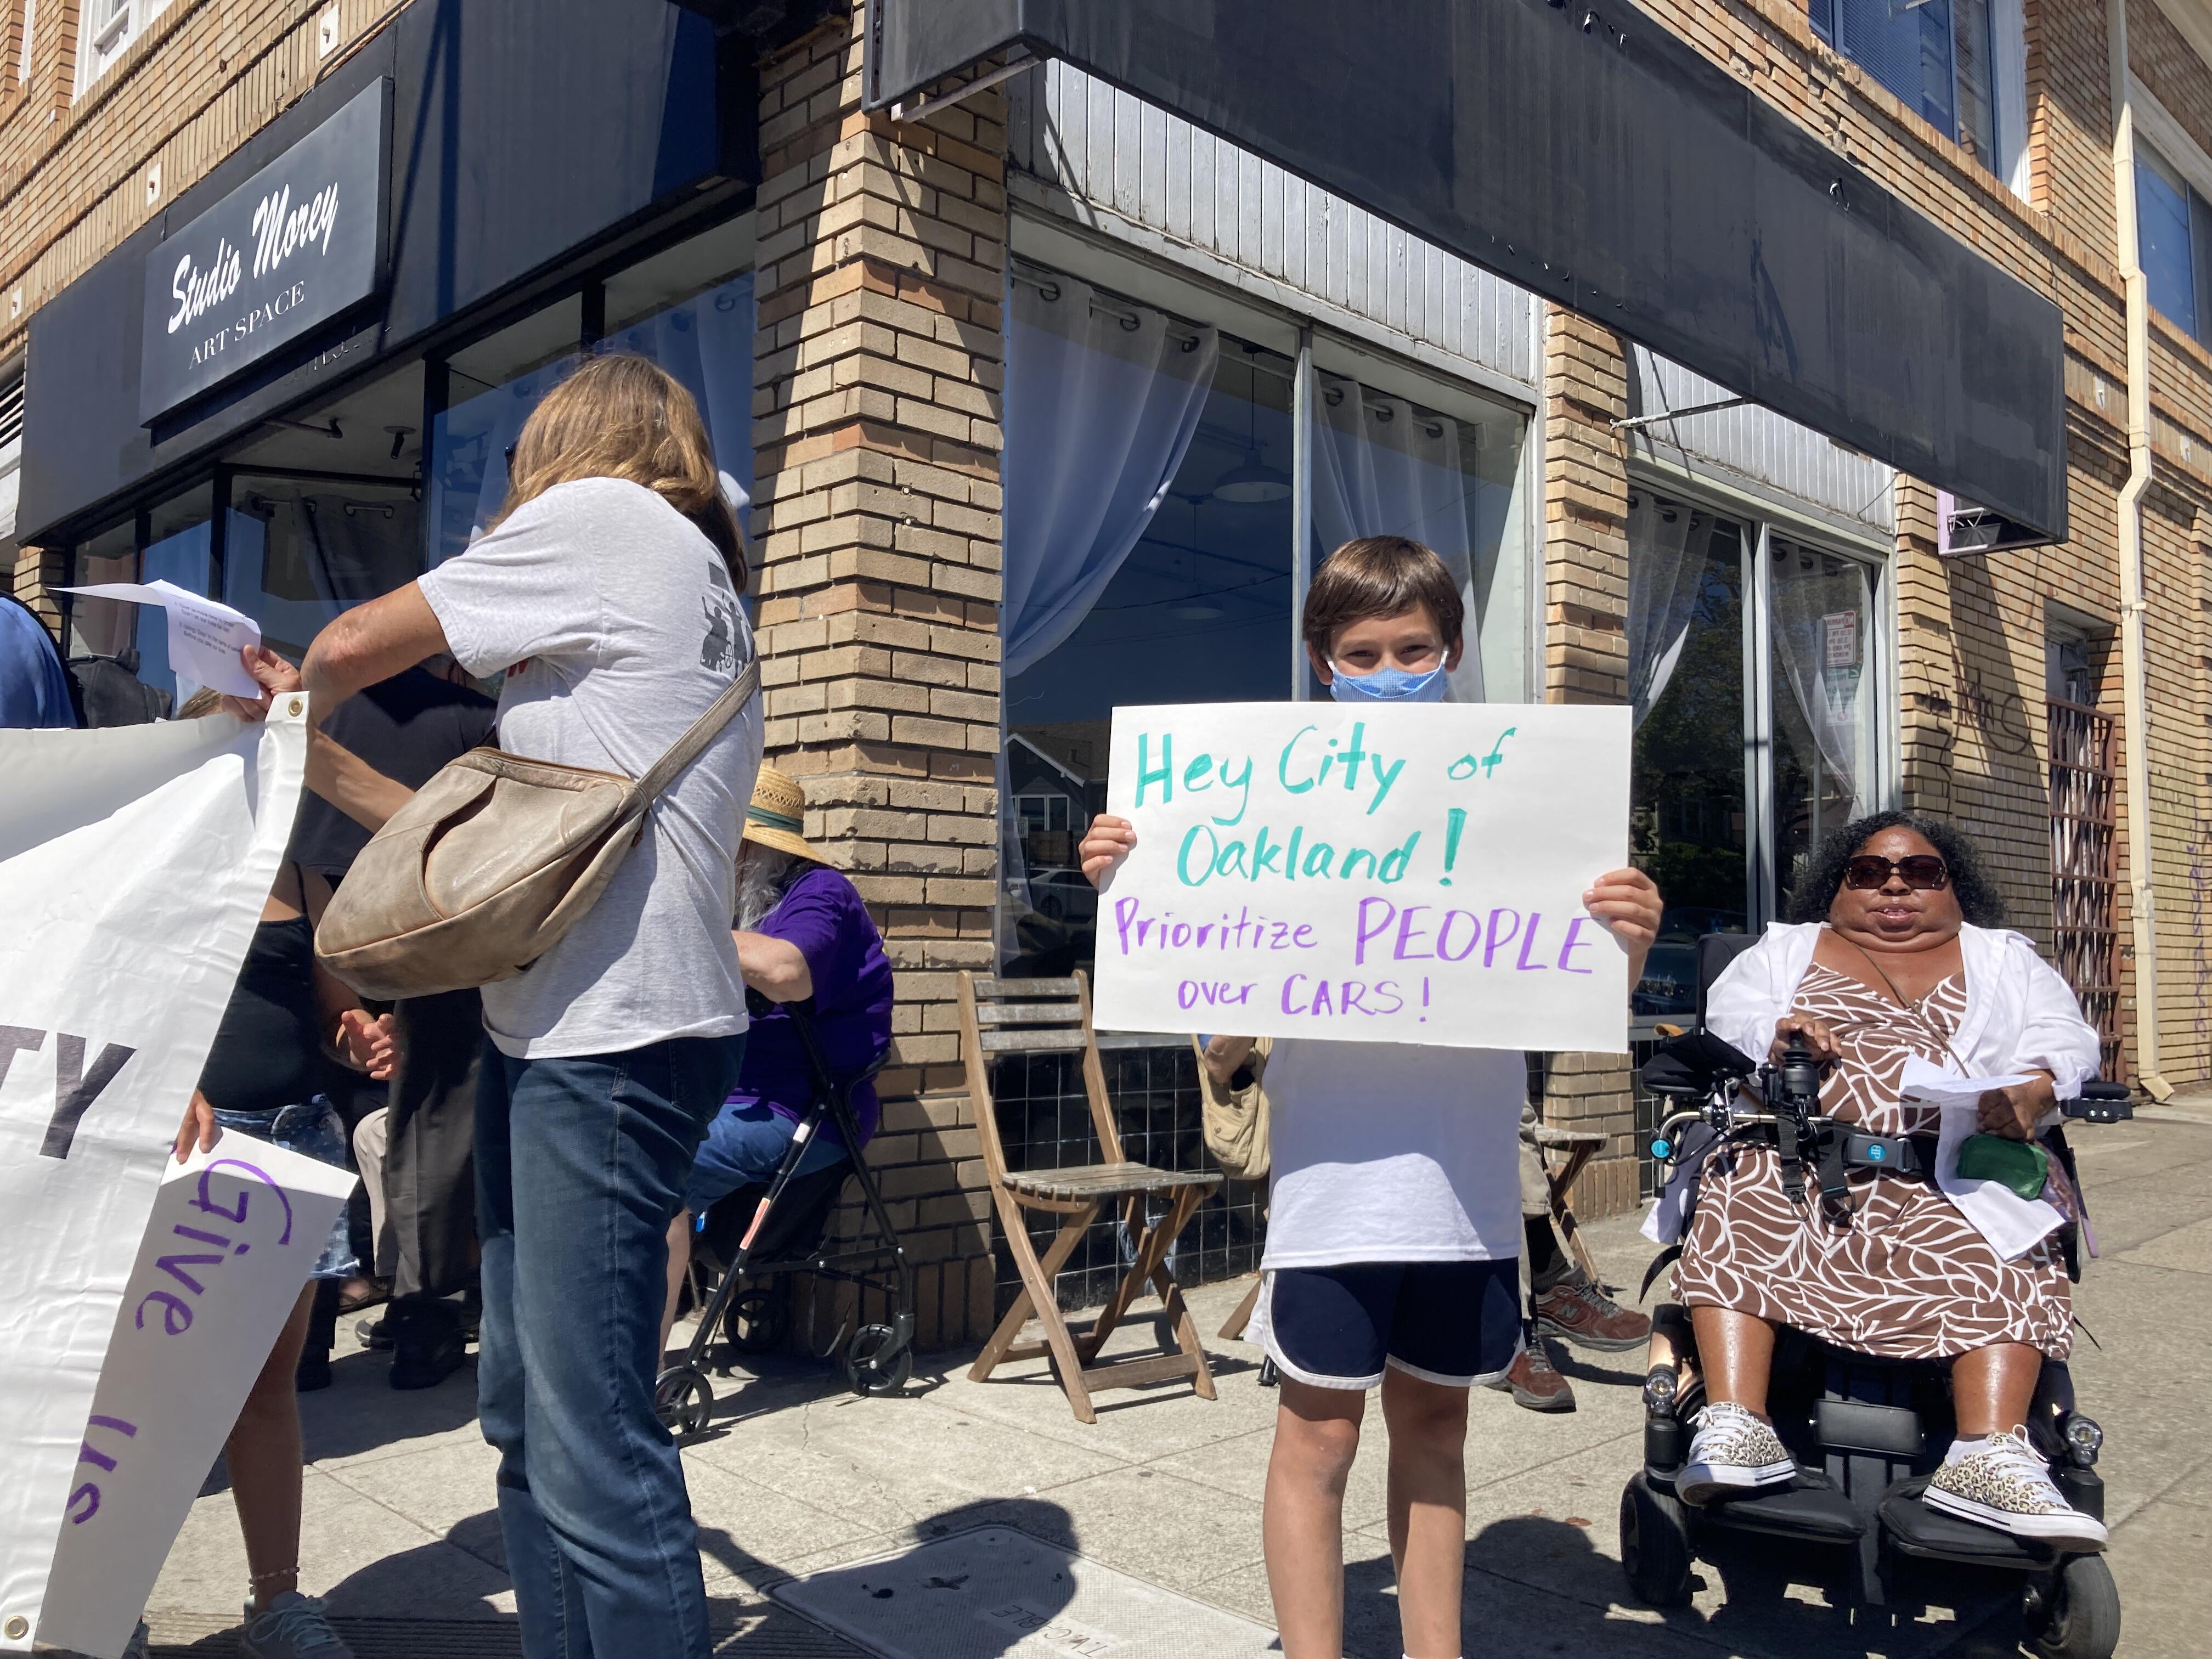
1733	1451
290	1627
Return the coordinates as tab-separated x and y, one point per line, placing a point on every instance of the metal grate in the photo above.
2084	868
1044	1121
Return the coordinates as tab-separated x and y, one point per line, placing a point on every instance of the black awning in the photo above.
1579	149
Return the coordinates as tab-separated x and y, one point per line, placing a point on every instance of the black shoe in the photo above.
428	1343
374	1333
312	1374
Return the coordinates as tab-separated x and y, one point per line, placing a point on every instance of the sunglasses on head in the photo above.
1923	871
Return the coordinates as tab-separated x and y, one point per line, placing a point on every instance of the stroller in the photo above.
759	1233
1865	1432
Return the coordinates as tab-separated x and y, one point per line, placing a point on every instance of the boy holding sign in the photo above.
1394	1226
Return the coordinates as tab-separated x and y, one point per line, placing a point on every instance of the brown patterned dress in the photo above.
1909	1278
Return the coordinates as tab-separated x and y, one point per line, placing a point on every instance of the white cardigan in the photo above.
2021	1016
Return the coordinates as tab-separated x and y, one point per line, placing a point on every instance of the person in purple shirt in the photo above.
802	933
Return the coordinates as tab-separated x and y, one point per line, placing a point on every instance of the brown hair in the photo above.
621	416
1379	576
205	701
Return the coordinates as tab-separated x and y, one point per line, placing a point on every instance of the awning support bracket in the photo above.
1633	423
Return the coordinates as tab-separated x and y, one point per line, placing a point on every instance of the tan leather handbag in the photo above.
1235	1119
491	862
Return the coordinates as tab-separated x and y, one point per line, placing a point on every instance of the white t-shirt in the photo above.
1387	1151
617	625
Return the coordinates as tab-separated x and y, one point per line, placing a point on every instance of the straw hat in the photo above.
777	814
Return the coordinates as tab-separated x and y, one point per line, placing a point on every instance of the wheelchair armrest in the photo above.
2102	1103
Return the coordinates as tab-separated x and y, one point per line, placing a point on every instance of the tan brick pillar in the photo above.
1586	660
881	260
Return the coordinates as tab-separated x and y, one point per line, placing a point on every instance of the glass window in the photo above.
106	628
1688	782
105	30
1823	698
491	389
1198	611
686	311
2166	210
1385	465
1935	55
180	548
296	552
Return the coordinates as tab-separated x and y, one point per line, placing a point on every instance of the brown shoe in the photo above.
1587	1317
1534	1384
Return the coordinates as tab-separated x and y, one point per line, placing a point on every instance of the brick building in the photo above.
876	315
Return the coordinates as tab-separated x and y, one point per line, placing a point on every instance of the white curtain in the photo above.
1664	574
1100	410
1382	468
1820	637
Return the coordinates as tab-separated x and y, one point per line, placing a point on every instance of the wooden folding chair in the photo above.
1579	1147
1053	1016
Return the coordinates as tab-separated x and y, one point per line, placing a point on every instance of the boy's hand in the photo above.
1628	903
1105	844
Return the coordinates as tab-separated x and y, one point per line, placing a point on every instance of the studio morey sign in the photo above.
296	244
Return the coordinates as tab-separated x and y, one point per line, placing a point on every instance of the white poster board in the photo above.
133	866
234	1234
1367	875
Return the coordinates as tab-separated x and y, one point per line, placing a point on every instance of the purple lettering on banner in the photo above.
207	1205
176	1313
1187	995
1527	939
1304	938
1572	944
1443	935
88	1495
1389	988
1124	910
1351	995
1499	941
1403	952
1181	936
1366	933
1287	986
1320	1003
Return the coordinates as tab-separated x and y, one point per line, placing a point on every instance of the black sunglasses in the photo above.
1923	871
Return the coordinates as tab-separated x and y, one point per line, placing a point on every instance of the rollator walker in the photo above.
1865	1431
761	1233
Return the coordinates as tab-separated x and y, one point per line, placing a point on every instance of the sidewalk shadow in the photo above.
878	1578
1587	1606
361	1412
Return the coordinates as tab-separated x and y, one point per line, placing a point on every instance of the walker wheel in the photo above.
2076	1613
683	1400
877	1362
758	1317
1655	1544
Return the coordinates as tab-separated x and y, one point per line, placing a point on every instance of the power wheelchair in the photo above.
759	1235
1865	1432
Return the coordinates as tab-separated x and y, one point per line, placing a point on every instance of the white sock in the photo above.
1966	1445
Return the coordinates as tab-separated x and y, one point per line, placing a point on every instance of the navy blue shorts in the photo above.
1454	1322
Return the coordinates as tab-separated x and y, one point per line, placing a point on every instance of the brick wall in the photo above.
876	436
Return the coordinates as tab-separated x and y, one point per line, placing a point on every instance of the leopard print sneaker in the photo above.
2004	1483
1734	1451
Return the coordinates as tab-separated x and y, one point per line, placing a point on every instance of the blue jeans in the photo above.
745	1147
581	1166
314	1130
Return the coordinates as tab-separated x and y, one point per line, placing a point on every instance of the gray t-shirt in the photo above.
616	623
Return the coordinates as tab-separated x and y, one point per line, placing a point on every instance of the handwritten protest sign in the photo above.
234	1234
133	866
1392	875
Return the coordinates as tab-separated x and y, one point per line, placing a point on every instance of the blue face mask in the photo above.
1389	685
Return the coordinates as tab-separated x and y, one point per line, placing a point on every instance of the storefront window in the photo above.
1822	697
297	552
705	339
1715	735
108	628
1688	824
491	389
180	548
1151	504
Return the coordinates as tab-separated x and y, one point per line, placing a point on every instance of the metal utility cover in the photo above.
1580	149
996	1593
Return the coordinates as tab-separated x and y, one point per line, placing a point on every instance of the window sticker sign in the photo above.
1367	875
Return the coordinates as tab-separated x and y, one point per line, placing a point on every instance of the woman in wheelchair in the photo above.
802	933
1894	955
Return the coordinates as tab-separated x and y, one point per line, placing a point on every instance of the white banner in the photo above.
234	1234
1366	874
133	866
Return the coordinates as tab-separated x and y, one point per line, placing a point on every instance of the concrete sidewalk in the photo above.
800	1475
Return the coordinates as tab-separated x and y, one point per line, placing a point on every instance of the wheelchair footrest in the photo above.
1801	1510
1916	1529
